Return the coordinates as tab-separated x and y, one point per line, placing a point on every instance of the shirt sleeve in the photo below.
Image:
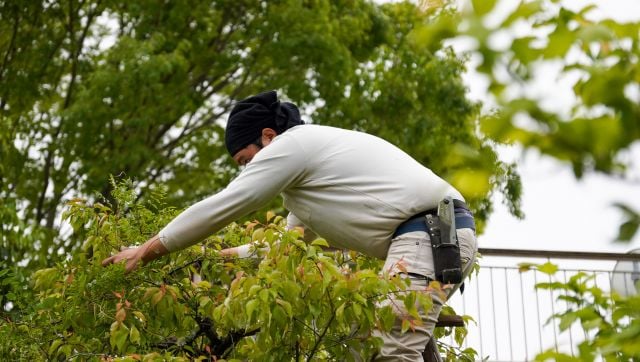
293	222
274	168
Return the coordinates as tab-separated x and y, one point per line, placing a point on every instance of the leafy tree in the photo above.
90	89
98	88
296	303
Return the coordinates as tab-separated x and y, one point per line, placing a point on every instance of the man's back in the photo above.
354	189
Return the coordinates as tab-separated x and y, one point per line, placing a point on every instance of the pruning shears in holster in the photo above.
444	243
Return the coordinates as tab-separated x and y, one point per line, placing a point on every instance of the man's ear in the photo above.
268	134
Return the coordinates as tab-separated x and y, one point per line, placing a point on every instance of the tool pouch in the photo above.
444	243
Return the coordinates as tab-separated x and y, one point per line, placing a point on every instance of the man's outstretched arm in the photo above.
150	250
271	171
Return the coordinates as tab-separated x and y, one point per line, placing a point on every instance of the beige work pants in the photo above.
413	250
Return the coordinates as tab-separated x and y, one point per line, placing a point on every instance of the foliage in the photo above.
598	57
611	322
297	302
531	40
95	88
630	226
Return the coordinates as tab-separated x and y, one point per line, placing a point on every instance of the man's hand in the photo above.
130	255
228	253
150	250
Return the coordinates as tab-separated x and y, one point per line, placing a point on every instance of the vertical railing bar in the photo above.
495	324
627	289
464	312
610	275
535	281
506	289
479	315
524	319
553	313
626	286
566	302
595	279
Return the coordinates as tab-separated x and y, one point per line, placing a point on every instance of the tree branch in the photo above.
326	327
10	51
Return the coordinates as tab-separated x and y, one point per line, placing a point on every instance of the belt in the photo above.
464	219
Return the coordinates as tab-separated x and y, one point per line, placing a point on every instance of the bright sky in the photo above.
563	213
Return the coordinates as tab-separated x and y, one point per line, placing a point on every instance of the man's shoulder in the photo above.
316	131
312	128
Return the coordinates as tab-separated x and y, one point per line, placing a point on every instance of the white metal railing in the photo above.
511	315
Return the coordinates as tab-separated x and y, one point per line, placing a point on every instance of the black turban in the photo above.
250	116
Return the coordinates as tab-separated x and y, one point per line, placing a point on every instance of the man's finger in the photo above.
108	260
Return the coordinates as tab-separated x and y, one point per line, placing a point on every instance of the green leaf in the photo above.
592	324
315	309
482	7
406	324
250	307
595	33
567	320
629	228
387	317
525	267
359	298
357	310
254	289
263	295
552	285
460	333
66	350
258	234
548	268
525	10
54	347
157	297
286	306
523	51
140	316
340	310
270	215
118	336
472	182
559	42
134	335
556	356
410	301
320	242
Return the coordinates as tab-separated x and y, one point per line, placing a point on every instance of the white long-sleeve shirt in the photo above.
351	188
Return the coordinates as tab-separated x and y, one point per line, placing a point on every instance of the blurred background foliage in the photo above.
141	90
596	56
533	40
